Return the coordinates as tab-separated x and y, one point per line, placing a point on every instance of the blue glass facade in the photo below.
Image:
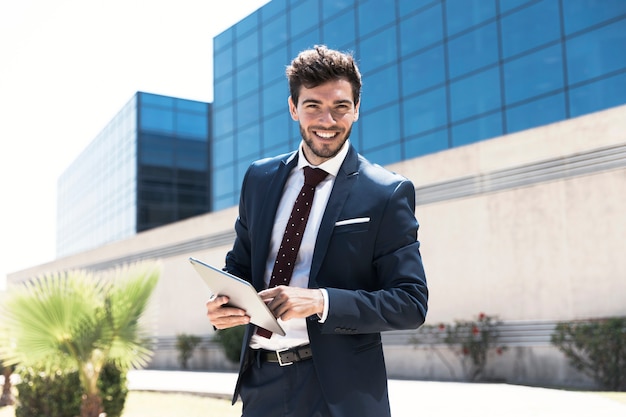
436	73
148	167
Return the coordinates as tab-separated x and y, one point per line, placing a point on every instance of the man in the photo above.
358	270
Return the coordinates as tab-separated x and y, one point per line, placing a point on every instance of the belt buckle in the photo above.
280	359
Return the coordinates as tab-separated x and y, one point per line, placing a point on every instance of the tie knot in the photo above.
313	176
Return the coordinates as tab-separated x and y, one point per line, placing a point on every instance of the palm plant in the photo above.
84	319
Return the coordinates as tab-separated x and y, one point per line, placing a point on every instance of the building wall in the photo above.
148	167
529	227
436	74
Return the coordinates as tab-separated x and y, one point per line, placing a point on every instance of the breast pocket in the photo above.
355	225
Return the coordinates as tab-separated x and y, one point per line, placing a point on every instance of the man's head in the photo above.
325	87
318	65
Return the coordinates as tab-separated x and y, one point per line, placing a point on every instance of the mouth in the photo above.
325	134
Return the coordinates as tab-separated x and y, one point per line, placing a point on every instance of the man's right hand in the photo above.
222	316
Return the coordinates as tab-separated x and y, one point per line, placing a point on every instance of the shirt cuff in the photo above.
325	313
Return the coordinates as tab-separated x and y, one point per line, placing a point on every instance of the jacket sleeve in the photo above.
398	299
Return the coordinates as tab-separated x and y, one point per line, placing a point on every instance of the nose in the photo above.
326	117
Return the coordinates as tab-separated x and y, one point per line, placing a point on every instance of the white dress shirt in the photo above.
295	329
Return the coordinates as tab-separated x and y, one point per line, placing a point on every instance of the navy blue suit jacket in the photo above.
372	271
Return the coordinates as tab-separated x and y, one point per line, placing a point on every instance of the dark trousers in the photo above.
271	390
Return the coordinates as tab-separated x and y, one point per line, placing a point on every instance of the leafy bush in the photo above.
473	340
59	394
596	348
186	343
231	340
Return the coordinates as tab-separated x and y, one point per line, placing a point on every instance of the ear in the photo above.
293	110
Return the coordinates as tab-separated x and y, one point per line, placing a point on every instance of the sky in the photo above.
66	68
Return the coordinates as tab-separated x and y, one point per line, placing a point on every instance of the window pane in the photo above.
157	101
506	5
192	125
599	95
223	121
273	8
428	143
477	129
223	152
274	65
463	14
597	53
378	50
530	27
536	113
156	120
477	94
275	98
249	142
340	30
304	17
382	86
223	63
274	33
223	180
423	71
380	127
425	112
193	106
305	41
472	51
247	49
374	15
224	39
534	74
331	8
248	110
422	30
223	90
581	14
248	79
274	130
385	155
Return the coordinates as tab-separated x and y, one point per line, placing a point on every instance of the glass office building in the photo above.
437	73
148	167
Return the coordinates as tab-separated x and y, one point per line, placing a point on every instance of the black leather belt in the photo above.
286	357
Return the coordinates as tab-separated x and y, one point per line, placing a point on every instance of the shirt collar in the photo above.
331	166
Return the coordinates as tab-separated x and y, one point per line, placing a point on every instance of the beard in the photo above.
327	150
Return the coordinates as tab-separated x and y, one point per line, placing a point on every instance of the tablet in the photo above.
241	293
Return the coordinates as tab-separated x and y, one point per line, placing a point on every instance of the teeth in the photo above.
326	135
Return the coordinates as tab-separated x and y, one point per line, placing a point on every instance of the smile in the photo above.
326	135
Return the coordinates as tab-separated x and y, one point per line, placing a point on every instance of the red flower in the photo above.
465	351
442	327
475	330
499	351
481	316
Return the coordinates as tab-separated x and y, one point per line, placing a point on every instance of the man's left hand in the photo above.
293	302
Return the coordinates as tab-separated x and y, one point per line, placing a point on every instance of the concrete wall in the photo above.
529	226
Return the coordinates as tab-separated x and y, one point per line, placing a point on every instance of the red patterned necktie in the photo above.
288	251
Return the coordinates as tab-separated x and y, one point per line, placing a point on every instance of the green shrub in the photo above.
596	348
231	340
186	343
59	394
473	340
113	390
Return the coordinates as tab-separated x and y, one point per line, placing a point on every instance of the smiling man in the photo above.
330	242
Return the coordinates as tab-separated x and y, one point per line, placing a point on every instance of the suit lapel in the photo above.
346	178
266	218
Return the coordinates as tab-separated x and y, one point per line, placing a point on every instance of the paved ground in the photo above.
420	398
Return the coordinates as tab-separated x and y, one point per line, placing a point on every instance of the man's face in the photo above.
326	114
